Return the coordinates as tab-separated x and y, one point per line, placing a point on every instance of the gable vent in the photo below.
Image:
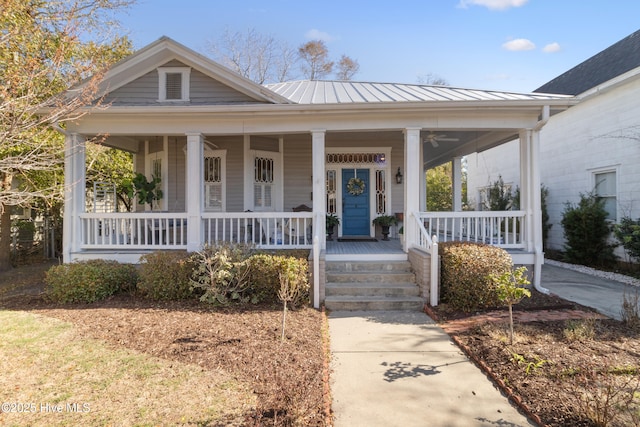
173	83
174	86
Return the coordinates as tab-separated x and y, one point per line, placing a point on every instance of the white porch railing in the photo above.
430	245
132	230
269	230
161	230
504	229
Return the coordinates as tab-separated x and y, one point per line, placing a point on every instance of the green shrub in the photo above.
222	272
233	273
265	277
465	271
164	275
89	281
586	231
628	233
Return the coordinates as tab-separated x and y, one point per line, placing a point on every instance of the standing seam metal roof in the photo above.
345	92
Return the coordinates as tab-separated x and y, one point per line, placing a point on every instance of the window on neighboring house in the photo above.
606	189
173	83
263	184
495	196
214	181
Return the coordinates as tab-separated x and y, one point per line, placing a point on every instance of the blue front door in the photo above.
355	207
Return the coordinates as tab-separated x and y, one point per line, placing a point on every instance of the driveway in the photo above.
602	294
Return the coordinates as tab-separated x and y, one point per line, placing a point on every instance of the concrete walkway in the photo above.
401	369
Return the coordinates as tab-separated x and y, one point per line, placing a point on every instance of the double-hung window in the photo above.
605	186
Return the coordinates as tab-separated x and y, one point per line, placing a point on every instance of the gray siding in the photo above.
297	164
177	174
142	91
297	172
204	90
235	170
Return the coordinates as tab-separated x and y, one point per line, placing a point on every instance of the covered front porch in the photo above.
208	202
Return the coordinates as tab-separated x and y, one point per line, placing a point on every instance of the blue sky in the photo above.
510	45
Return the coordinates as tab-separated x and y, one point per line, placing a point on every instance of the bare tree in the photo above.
315	59
43	51
432	79
256	56
347	68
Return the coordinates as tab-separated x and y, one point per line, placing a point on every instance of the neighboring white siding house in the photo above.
594	146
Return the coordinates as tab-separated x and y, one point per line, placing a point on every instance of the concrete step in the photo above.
368	266
373	303
371	277
372	289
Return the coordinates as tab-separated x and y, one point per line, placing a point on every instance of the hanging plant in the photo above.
355	186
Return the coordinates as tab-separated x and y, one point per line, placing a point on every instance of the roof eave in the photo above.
556	104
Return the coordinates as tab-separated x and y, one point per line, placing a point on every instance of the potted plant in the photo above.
385	221
146	191
331	221
401	233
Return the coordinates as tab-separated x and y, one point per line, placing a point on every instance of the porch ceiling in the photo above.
448	143
455	143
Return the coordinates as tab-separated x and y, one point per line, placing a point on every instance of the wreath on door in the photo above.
355	186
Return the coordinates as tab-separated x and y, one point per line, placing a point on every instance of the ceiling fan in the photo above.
434	138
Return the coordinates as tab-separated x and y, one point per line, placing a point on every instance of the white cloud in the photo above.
314	34
519	45
493	4
552	48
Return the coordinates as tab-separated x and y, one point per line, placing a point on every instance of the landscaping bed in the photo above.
286	377
567	365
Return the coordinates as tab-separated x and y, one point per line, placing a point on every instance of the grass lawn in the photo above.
53	376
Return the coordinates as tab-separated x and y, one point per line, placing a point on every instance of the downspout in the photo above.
544	118
538	251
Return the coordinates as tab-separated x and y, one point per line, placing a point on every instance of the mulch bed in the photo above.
565	358
568	365
287	375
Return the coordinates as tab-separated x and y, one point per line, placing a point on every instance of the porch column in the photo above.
248	173
319	186
195	156
456	180
423	180
412	164
74	194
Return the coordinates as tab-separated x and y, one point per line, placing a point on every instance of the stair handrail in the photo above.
430	245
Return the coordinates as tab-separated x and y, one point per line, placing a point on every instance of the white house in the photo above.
237	160
594	146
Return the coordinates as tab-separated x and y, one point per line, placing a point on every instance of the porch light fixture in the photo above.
399	176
